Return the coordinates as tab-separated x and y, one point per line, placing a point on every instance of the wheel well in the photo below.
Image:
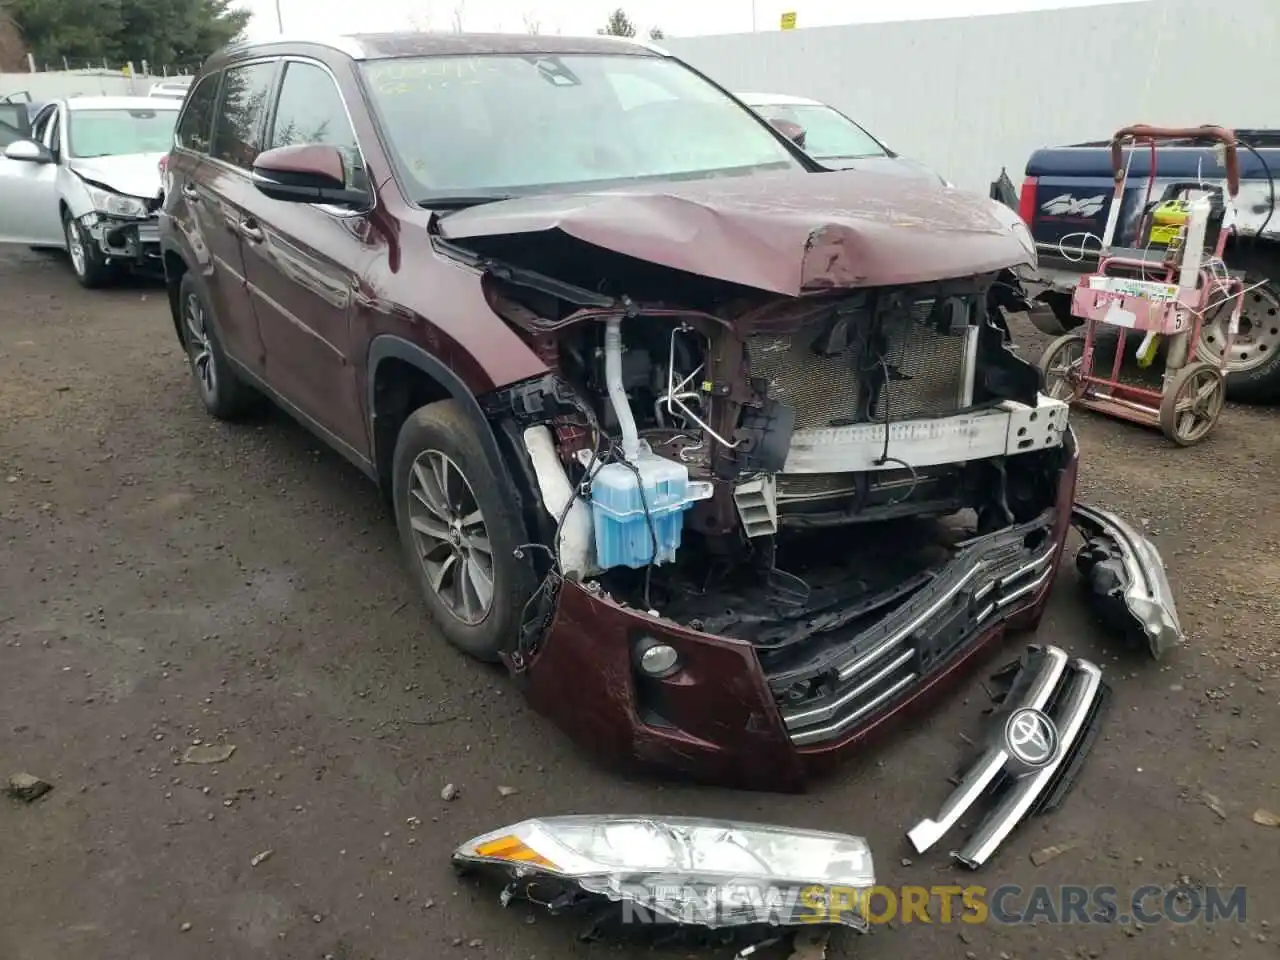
1257	256
174	268
399	388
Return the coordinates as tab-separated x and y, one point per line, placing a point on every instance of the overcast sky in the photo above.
675	17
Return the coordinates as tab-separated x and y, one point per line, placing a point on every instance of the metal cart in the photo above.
1159	291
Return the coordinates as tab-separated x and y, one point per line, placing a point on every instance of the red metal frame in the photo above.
1165	317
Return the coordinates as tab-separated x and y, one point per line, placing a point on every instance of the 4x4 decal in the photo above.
1065	205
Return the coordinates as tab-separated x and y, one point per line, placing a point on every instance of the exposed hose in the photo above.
617	391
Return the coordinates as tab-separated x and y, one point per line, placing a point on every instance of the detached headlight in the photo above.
710	873
116	204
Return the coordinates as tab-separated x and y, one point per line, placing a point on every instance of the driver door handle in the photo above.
191	193
250	230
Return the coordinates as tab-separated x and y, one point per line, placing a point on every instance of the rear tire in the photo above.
1253	372
460	529
222	392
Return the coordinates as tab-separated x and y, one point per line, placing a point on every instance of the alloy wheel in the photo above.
199	348
75	248
450	536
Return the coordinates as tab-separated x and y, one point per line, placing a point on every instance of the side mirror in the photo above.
309	173
28	151
792	131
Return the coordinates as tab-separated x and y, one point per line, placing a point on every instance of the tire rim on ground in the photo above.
1258	338
75	247
198	346
450	535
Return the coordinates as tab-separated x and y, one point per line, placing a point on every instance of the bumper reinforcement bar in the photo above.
1040	736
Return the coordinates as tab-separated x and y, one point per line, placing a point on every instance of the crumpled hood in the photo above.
133	174
791	234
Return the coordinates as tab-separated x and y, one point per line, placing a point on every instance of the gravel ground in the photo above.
167	580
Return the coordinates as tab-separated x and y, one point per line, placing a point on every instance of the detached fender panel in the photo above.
1126	579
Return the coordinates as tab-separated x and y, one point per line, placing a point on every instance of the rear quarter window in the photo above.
196	123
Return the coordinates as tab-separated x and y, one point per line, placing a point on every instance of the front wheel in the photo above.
460	529
87	260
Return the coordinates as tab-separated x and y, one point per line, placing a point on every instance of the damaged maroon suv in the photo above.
725	455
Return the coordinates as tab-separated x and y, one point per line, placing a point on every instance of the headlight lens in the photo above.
710	872
116	204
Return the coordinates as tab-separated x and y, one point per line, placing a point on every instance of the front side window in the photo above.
237	131
114	133
310	111
197	116
828	134
511	124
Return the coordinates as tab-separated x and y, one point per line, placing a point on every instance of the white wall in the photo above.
53	85
969	95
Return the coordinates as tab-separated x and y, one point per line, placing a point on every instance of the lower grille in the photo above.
976	589
925	371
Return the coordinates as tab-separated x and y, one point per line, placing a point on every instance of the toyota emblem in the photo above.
1030	737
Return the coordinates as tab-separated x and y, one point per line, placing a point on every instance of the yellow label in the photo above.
789	21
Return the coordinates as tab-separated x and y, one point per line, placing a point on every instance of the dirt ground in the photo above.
166	579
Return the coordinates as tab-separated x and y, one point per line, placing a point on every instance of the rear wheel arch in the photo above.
174	269
403	377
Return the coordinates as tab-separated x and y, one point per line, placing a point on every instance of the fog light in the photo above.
657	659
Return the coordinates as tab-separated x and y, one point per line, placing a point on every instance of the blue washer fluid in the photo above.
623	537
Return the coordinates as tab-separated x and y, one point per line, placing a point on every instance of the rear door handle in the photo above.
250	230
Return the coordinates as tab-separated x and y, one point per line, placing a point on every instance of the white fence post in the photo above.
31	63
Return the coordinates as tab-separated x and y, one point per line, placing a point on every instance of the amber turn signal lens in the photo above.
513	850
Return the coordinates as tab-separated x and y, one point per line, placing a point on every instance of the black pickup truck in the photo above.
1067	196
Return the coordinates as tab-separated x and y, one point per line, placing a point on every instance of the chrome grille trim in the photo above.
875	677
929	831
1069	691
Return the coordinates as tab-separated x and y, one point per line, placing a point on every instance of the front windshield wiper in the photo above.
849	156
461	203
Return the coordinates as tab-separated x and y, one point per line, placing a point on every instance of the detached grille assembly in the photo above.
1041	734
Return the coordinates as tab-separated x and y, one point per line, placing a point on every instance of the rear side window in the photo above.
237	132
197	116
309	111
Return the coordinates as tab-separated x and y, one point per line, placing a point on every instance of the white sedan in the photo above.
833	139
88	181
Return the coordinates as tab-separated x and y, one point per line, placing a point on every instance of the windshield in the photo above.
511	124
113	133
828	134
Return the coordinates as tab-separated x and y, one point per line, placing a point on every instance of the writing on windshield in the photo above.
513	124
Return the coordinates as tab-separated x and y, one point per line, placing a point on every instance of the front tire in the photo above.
223	394
460	529
87	260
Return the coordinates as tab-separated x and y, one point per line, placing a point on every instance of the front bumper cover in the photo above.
1042	732
720	720
1125	576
